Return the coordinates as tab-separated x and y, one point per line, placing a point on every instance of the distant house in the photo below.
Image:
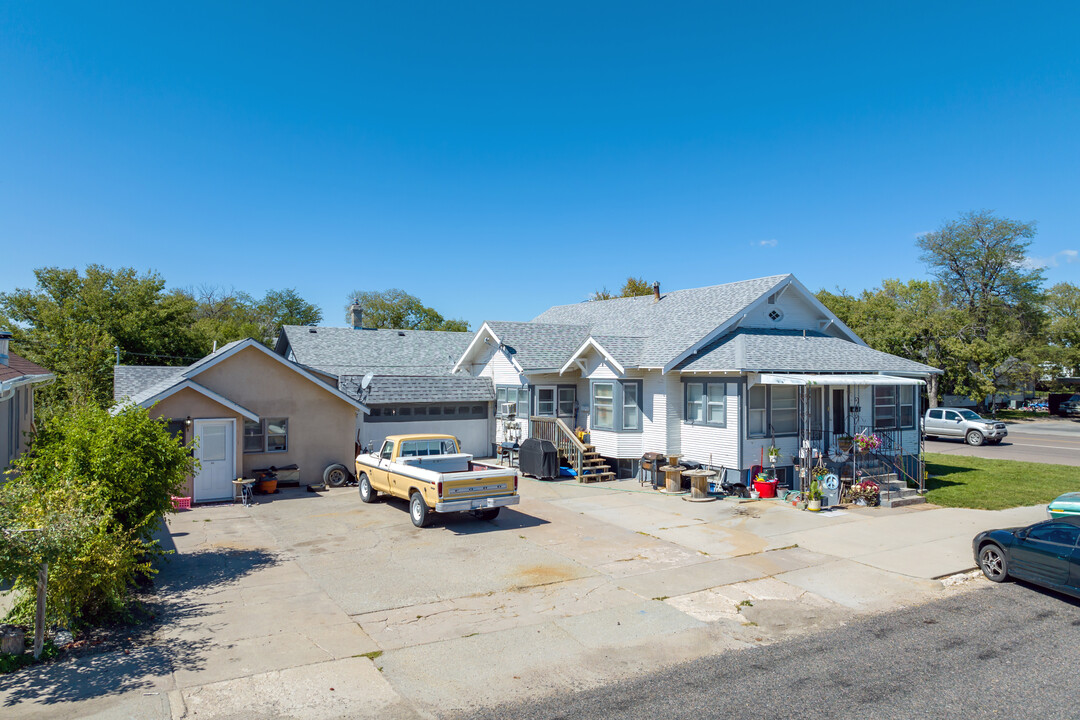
411	388
250	408
715	374
17	379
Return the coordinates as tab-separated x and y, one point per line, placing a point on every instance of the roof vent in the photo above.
401	334
312	330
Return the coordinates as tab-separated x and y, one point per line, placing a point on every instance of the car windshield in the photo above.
968	415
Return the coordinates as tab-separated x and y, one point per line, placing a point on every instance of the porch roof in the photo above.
812	379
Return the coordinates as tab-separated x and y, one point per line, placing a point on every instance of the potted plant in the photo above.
844	442
814	496
864	493
774	454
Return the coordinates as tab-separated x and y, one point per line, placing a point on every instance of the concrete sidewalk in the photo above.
317	605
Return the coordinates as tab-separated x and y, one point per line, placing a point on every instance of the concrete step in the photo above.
914	498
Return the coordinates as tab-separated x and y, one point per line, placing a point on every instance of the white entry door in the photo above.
216	454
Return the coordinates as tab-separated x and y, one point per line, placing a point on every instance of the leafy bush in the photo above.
99	484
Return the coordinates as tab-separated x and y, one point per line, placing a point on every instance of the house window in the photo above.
894	407
617	406
757	403
604	406
512	394
695	402
706	403
772	410
266	435
784	410
567	397
631	406
545	401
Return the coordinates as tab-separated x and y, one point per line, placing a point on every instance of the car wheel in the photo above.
929	437
993	563
367	493
488	514
418	510
335	475
974	438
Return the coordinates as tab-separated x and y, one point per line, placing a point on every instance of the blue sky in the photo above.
498	158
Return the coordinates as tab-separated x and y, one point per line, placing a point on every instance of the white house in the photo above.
715	374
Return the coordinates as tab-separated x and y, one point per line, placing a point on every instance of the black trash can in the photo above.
539	458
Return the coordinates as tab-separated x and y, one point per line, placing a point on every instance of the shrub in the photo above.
102	481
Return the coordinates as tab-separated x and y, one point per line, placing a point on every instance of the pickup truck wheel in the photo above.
974	438
367	493
335	475
418	510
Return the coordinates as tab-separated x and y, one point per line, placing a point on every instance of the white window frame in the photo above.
264	435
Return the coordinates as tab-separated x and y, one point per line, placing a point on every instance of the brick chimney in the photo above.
5	336
356	315
656	292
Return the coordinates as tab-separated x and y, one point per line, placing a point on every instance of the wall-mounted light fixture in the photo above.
187	422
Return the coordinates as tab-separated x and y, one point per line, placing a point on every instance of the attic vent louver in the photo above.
775	315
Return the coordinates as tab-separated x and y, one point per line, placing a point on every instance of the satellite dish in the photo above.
366	381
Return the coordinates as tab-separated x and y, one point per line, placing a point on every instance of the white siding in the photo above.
495	365
798	314
718	446
673	395
655	412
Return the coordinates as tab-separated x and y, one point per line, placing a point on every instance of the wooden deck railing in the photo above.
558	433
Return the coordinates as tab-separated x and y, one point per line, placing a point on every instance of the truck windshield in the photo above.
968	415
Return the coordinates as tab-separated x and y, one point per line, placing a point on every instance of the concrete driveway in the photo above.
316	605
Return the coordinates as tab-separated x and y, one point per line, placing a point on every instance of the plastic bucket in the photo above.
766	489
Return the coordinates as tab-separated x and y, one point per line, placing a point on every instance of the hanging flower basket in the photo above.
865	442
844	442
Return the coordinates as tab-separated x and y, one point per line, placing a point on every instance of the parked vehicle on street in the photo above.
1070	406
1064	506
1045	553
429	472
963	423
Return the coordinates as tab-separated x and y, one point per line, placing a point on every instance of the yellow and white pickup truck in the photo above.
430	472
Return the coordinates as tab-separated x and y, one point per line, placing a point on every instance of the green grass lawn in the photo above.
1021	415
957	481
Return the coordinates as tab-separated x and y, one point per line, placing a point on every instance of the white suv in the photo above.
962	423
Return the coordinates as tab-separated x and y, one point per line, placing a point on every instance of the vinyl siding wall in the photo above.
713	445
497	366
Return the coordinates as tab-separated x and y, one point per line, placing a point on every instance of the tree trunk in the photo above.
39	614
932	390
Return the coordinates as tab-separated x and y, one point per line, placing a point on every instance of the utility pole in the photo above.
39	612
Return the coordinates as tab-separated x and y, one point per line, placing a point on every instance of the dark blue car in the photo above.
1045	553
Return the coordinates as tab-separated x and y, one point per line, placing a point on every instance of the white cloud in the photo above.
1062	256
764	243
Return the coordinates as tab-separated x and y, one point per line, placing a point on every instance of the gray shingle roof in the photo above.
670	326
345	351
625	350
540	346
771	350
128	380
398	389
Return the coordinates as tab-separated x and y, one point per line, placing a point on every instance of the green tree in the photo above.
70	323
633	287
399	310
226	315
107	479
1063	330
981	263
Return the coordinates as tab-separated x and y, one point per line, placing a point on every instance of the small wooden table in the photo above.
243	486
673	478
699	484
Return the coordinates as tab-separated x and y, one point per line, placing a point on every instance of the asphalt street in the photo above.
999	651
1056	442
